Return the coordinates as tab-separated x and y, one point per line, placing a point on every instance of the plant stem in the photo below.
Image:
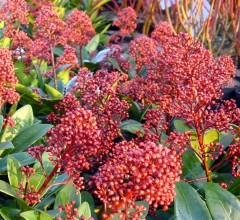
48	179
205	157
54	68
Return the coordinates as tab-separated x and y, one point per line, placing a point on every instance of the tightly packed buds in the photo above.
99	93
50	27
8	121
21	46
115	52
142	49
79	29
29	194
8	93
126	21
40	49
68	57
13	13
186	77
234	154
75	141
162	33
138	172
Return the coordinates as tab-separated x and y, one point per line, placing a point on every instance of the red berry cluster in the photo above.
29	193
75	142
13	13
142	49
138	172
99	93
8	80
79	29
126	21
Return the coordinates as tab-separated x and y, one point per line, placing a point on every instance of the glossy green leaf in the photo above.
6	145
181	126
192	169
87	197
100	56
131	126
221	203
188	204
67	194
23	118
15	176
24	158
114	63
64	76
234	188
35	215
10	213
93	44
53	93
84	210
23	78
8	190
30	135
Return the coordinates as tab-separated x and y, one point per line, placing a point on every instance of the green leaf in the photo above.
6	145
102	2
10	213
221	203
234	188
188	204
131	126
23	118
39	76
84	210
63	67
87	197
7	189
67	194
53	93
63	76
24	158
93	44
23	78
192	169
5	42
1	122
35	215
15	176
181	126
70	84
100	56
115	64
29	136
57	51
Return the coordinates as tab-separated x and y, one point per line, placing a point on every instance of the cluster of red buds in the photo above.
137	172
8	80
29	193
13	13
79	29
126	21
99	93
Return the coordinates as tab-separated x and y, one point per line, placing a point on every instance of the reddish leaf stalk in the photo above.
48	179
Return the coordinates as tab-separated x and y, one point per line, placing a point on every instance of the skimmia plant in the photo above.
95	127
